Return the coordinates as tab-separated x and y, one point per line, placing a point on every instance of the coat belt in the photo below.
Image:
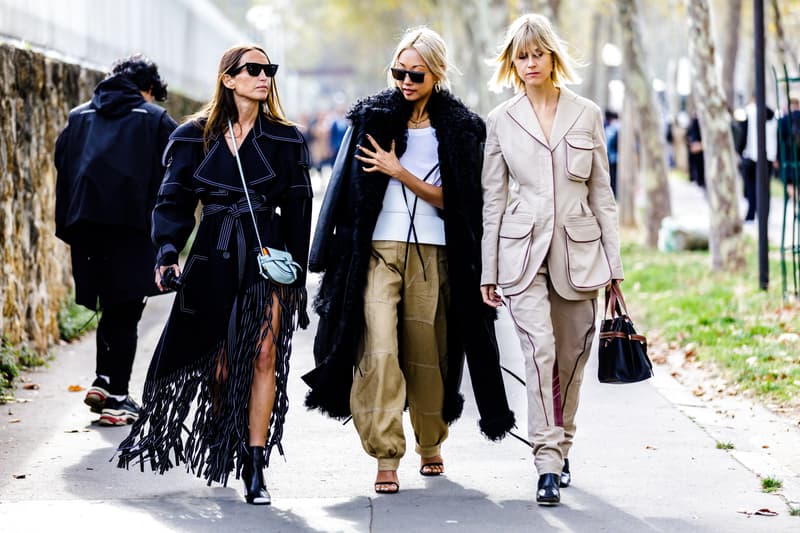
232	220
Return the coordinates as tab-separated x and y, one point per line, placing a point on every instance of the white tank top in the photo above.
394	219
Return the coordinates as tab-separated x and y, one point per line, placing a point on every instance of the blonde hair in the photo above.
433	50
222	105
526	33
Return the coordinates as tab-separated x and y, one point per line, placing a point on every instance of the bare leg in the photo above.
262	392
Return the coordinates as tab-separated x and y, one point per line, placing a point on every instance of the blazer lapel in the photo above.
522	113
567	113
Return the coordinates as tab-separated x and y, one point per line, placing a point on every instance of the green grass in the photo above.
771	484
725	445
12	359
794	511
750	334
74	320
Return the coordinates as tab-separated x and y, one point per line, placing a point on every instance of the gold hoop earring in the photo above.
437	86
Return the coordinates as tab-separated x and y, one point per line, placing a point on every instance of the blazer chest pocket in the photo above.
513	248
579	155
587	265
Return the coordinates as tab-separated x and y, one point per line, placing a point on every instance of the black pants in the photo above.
748	168
697	169
117	334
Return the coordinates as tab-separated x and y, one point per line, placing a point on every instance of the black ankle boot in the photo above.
255	491
566	476
548	492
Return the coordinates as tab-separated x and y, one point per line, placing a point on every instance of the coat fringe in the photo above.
217	441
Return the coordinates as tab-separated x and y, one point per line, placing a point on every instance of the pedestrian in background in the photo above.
747	165
550	242
694	143
108	161
611	130
398	240
227	342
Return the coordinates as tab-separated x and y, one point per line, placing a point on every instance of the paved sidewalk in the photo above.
645	459
640	464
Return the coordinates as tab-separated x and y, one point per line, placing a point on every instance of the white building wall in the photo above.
185	38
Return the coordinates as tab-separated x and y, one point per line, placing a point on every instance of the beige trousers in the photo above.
402	353
555	335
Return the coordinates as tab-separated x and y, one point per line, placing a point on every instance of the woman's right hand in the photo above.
160	275
490	296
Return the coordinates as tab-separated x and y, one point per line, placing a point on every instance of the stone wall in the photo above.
36	94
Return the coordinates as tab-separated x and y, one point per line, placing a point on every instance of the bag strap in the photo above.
244	186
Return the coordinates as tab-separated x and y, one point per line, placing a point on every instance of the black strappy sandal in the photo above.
393	487
431	473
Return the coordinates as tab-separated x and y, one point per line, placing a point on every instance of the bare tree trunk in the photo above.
786	53
722	181
627	165
652	149
596	66
730	47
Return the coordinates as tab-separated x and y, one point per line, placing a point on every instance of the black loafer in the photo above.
548	492
566	477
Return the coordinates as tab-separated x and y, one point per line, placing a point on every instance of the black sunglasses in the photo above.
255	68
414	75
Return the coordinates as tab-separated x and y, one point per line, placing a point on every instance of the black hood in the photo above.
116	96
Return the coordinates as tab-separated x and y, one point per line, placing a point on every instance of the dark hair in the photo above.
143	73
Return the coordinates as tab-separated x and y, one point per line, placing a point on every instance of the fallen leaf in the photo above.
699	391
14	421
31	386
74	388
20	476
72	431
788	338
758	512
648	447
675	374
765	445
690	351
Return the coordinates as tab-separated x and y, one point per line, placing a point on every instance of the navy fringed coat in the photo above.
214	331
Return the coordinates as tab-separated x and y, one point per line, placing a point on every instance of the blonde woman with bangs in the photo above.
225	349
398	241
550	239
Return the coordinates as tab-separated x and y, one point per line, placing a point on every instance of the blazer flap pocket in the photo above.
516	226
582	141
583	229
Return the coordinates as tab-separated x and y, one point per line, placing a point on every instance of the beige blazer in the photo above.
548	204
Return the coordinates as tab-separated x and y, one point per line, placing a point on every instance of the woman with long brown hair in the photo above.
228	338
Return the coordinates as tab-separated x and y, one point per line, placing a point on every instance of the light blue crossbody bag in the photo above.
273	264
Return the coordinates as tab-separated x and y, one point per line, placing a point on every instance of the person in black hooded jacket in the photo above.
108	160
398	239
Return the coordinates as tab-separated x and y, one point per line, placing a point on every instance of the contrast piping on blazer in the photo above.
548	202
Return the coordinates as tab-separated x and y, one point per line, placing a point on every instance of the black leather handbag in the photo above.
622	356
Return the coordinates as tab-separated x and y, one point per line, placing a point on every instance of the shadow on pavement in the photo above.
445	505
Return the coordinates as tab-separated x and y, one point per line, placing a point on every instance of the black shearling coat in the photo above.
341	249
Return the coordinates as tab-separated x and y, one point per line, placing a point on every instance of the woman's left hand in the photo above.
379	159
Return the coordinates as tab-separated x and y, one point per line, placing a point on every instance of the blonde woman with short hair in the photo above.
549	241
398	240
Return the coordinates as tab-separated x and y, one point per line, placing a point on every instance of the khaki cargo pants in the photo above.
402	352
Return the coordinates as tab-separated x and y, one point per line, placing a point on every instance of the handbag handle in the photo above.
244	186
615	301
